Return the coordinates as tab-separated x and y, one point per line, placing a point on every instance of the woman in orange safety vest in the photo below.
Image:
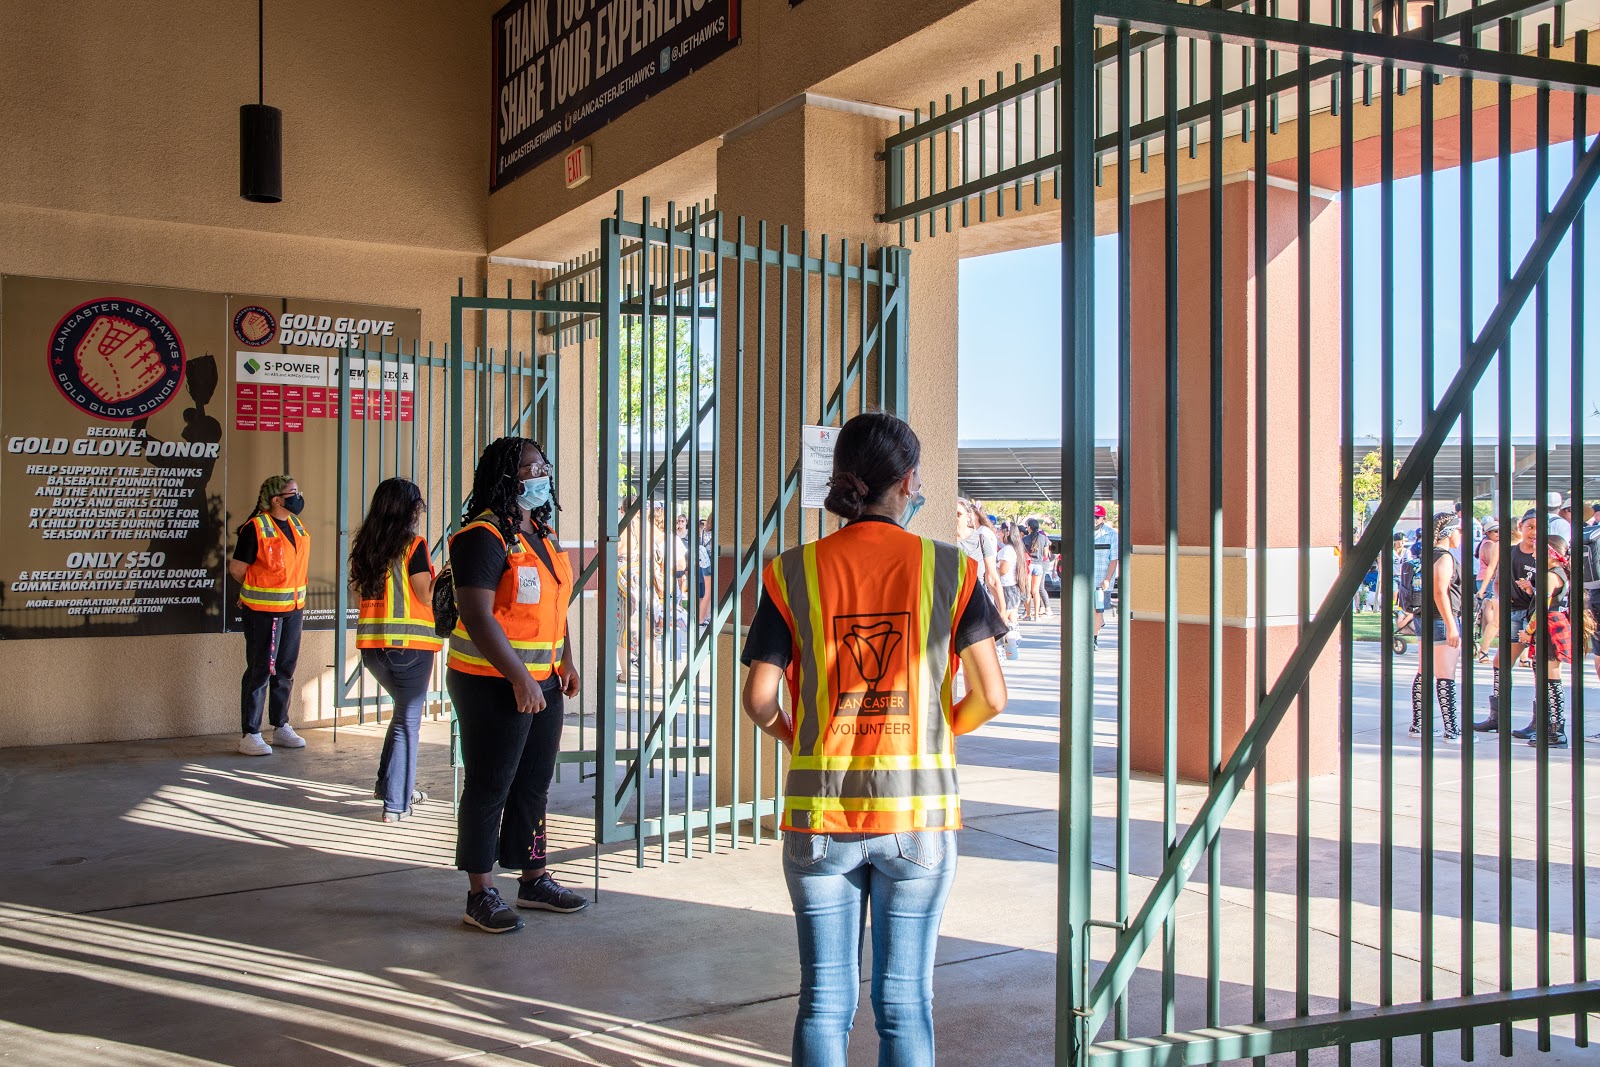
392	573
509	672
269	562
864	630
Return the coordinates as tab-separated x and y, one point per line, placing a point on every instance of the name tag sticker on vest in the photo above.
527	585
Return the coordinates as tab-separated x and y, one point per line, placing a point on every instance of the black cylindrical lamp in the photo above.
260	153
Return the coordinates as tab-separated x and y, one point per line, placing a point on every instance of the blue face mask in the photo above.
535	493
913	506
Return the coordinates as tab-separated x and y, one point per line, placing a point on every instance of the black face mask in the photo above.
294	505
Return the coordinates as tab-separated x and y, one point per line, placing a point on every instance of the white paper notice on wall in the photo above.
816	463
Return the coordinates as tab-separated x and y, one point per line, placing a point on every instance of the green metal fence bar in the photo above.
1468	861
1386	576
1169	652
1302	1005
1503	661
1347	435
1425	639
1580	725
1124	490
1258	968
1073	890
1214	598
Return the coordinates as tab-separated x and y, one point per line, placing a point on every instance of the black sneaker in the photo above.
491	914
546	894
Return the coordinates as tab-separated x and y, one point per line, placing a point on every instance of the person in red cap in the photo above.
1106	559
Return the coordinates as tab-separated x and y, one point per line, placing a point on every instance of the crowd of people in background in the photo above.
1559	602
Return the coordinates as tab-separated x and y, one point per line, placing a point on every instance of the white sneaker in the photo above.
252	745
285	737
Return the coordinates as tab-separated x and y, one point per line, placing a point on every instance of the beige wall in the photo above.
120	134
120	130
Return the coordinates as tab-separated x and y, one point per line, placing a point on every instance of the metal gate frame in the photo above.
1439	46
644	279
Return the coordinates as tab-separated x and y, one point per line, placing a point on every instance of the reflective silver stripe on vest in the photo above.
936	653
397	590
866	784
383	628
254	592
793	563
533	657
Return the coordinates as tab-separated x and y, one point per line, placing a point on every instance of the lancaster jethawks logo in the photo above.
255	326
116	358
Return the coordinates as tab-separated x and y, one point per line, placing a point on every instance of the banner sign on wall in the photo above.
138	423
565	68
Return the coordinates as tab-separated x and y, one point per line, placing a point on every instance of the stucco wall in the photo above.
120	131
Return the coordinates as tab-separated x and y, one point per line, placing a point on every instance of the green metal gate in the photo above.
667	375
1150	101
1230	73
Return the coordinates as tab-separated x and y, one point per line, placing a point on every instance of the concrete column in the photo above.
1242	288
811	166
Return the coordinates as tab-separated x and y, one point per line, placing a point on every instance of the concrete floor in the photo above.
168	902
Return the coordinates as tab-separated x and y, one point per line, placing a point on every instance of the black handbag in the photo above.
445	614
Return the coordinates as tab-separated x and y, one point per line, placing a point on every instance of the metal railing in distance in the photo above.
391	410
1424	888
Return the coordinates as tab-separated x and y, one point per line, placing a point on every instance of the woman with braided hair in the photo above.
510	670
269	563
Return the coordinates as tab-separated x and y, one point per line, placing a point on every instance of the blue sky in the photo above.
1010	339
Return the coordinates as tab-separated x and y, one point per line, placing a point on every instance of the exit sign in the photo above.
579	166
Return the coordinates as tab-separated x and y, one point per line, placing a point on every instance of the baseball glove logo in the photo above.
116	358
255	326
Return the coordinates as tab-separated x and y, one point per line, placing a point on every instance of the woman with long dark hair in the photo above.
393	575
865	627
509	672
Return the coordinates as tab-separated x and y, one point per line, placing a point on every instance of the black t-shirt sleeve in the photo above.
244	549
768	639
419	559
477	559
981	620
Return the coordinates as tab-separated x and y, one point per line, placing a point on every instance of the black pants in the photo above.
508	761
271	652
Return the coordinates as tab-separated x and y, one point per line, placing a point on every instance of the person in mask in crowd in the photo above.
864	628
509	673
269	563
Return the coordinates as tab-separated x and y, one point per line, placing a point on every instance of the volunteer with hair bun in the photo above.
863	631
509	671
269	563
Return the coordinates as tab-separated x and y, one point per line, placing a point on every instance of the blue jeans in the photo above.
833	881
403	673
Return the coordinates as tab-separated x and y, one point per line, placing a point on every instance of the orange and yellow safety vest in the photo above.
399	619
873	611
276	581
530	604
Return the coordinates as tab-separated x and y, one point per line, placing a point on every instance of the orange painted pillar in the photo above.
1145	515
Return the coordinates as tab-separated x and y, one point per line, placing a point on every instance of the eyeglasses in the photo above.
540	470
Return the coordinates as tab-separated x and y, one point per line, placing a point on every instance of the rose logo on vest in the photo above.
116	358
873	676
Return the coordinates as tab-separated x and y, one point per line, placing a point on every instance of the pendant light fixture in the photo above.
260	135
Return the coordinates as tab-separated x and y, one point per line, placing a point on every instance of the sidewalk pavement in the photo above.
170	902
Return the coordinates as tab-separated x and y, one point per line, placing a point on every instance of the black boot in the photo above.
1416	706
1492	723
1556	727
1446	690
